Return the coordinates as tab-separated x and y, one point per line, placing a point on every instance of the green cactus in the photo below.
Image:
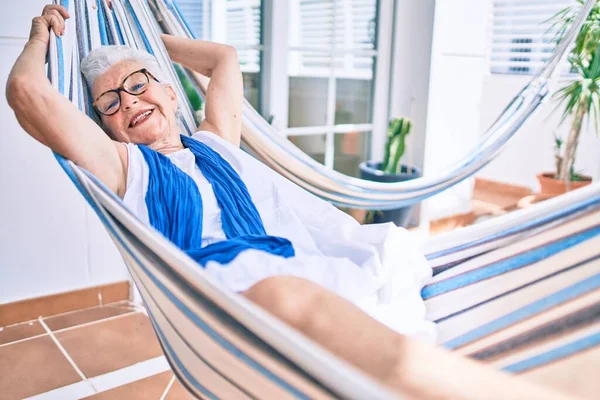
398	129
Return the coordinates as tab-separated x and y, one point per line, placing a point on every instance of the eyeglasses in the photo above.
136	83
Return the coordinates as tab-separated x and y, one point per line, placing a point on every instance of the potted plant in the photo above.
551	186
580	96
391	170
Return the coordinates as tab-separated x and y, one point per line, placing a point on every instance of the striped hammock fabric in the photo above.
504	305
520	292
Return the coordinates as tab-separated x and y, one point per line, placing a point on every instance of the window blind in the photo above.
522	37
342	28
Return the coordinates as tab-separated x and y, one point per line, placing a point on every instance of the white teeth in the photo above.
135	121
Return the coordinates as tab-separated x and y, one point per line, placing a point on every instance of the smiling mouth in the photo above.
140	119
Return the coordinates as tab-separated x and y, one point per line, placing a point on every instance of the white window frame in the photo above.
219	34
214	12
275	83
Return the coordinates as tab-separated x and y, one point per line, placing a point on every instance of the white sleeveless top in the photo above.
378	267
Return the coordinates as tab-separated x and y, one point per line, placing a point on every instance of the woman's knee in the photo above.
289	298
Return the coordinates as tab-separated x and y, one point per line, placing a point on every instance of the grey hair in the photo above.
101	59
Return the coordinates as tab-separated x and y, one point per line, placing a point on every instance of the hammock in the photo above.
281	155
517	292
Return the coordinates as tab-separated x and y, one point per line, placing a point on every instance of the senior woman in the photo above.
251	230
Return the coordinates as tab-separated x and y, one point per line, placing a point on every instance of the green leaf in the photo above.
398	129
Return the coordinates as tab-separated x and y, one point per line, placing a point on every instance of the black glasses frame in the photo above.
122	89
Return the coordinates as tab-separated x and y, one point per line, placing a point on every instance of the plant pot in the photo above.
532	199
551	186
370	170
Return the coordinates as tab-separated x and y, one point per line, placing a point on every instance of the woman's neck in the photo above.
168	145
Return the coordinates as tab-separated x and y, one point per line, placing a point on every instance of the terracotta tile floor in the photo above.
107	352
21	331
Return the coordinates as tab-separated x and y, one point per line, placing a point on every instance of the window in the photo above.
331	64
522	40
321	63
243	31
197	16
234	22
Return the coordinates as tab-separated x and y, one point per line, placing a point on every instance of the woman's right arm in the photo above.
52	119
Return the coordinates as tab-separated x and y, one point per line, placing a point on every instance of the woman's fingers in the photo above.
61	10
55	15
54	22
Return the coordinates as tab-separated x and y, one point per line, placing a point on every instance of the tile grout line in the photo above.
113	304
97	321
23	340
73	327
67	356
164	395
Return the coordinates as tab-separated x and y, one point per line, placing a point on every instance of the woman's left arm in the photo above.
225	92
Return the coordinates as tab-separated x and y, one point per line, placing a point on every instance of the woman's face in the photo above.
145	119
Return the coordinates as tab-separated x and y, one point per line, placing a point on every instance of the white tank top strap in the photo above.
137	183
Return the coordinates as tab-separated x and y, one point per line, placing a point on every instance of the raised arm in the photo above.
225	92
52	119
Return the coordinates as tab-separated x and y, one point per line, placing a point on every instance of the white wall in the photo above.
50	240
410	72
531	151
413	35
465	98
458	66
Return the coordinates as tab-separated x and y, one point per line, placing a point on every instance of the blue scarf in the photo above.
175	207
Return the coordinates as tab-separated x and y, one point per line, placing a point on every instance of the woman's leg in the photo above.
409	366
